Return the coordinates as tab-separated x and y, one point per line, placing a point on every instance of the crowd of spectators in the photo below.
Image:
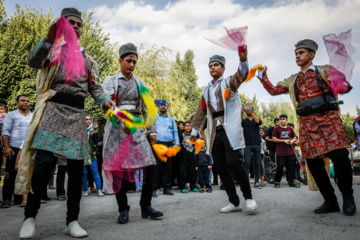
187	171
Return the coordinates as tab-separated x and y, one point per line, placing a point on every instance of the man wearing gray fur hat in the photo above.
220	105
321	133
57	129
124	89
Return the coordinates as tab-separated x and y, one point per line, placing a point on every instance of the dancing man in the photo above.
220	103
57	129
321	132
124	89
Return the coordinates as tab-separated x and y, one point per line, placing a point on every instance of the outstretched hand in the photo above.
243	54
50	38
261	72
110	104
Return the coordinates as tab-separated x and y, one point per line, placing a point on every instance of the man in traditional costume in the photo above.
124	89
321	132
220	103
57	129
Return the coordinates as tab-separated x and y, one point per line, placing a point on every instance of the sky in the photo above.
273	29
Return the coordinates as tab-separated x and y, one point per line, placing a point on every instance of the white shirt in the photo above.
243	69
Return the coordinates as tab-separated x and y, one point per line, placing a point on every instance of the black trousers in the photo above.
9	179
228	161
272	155
45	163
289	163
146	192
60	180
215	175
342	166
187	170
163	169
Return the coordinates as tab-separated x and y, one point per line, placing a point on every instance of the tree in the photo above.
347	121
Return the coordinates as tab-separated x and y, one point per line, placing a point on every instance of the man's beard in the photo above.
163	111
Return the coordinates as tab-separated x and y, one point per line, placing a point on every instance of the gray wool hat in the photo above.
308	44
128	48
217	58
71	12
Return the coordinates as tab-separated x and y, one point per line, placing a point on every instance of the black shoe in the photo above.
168	192
328	207
349	207
215	183
222	187
150	212
46	198
154	193
294	185
124	217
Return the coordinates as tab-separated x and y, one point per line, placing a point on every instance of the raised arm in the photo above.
41	50
279	89
241	74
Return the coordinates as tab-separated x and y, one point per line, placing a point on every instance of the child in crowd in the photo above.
284	136
203	166
262	154
139	179
3	110
187	169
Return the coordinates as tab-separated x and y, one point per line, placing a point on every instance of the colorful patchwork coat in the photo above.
55	127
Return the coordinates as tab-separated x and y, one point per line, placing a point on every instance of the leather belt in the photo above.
217	114
69	99
219	128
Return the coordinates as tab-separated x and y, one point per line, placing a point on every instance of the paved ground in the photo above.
284	213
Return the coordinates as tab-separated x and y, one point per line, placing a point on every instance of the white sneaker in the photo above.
74	230
230	208
251	205
27	229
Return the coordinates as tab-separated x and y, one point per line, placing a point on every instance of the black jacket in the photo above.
202	159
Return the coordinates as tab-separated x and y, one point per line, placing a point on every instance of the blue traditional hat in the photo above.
161	102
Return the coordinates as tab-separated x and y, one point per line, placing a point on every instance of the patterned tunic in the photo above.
62	128
128	94
318	133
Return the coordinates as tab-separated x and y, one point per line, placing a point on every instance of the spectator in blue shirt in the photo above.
13	134
167	134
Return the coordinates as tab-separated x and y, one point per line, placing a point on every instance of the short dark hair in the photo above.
291	124
276	119
187	122
3	105
128	54
283	116
88	114
22	95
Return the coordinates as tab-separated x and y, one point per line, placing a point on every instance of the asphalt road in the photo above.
284	213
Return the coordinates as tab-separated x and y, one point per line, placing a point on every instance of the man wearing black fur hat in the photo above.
57	129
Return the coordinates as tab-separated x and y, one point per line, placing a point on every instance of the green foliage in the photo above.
173	81
18	35
348	122
357	110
